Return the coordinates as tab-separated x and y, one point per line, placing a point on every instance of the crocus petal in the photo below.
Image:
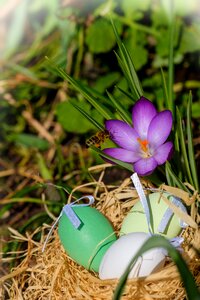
122	154
122	134
142	114
145	166
159	128
163	153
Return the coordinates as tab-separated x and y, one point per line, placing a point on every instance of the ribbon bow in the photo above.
69	212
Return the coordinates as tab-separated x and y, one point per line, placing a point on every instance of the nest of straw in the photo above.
54	275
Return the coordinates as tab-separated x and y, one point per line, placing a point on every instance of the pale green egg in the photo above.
135	221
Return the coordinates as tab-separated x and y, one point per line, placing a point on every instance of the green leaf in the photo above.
195	110
105	8
133	9
98	125
135	43
43	169
100	37
190	41
71	119
85	91
161	242
106	81
29	141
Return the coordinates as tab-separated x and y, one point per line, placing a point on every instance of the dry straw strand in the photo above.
54	275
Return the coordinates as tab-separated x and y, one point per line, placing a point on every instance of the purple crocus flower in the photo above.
144	145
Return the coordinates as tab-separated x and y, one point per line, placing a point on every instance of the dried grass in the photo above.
53	275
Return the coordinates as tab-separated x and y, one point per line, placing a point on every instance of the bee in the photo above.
98	139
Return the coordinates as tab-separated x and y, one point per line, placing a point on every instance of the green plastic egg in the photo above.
87	244
136	221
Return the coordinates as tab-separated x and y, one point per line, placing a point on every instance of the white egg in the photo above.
120	253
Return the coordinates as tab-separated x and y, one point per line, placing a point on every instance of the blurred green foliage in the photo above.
81	40
78	36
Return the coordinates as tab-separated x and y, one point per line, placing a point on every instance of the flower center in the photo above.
144	147
143	144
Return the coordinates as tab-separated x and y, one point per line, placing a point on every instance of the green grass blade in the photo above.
165	91
127	66
176	141
174	179
135	25
126	72
133	74
97	95
45	171
190	144
126	116
87	116
34	220
170	181
182	139
125	93
93	101
159	241
30	200
83	90
171	59
115	161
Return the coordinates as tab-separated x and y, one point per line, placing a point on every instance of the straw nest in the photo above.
54	275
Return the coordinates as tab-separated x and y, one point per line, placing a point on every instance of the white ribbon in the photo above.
73	218
143	199
169	213
177	241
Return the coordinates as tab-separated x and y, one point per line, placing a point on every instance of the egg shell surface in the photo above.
87	244
119	255
135	221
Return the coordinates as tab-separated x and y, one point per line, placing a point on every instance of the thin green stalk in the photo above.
80	51
125	69
111	159
94	101
190	144
32	220
165	91
176	142
174	179
127	66
161	242
169	178
29	200
135	25
125	93
171	60
87	116
43	169
126	116
182	139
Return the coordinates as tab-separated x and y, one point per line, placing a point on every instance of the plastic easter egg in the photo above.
136	221
119	255
87	244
